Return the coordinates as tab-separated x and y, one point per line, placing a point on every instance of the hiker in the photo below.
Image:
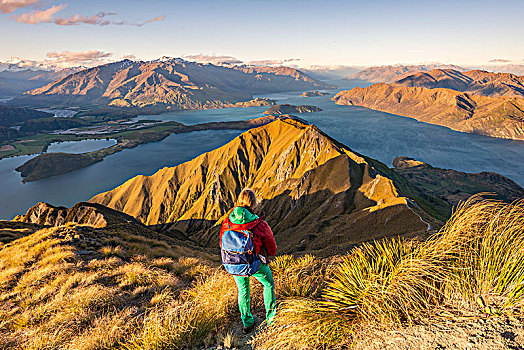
248	246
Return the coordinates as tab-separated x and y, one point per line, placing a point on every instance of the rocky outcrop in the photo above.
83	213
475	82
455	186
290	109
492	116
317	194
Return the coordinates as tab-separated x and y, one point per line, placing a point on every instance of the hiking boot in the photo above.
247	330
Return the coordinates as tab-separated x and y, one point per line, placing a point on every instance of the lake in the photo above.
376	134
81	146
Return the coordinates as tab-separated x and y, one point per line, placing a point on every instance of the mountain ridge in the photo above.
476	81
169	83
391	73
501	117
300	175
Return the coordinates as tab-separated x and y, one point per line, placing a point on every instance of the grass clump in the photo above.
83	288
203	309
474	266
487	266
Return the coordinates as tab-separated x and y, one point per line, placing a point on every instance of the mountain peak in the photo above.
313	190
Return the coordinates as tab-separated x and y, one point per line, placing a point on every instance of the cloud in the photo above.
8	6
499	60
129	57
272	62
97	19
217	59
84	58
48	16
39	16
213	59
151	20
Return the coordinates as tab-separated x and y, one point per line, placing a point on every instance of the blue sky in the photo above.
316	32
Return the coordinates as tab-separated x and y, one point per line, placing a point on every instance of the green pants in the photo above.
264	276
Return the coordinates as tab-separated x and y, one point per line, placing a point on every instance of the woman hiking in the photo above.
248	245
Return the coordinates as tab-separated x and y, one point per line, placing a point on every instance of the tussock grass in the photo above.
203	309
473	267
298	277
487	265
79	288
75	287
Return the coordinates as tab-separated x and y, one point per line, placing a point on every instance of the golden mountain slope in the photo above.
475	81
316	193
492	116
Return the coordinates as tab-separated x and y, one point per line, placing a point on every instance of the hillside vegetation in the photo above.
81	287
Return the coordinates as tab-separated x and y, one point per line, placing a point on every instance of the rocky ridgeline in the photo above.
90	214
475	82
317	194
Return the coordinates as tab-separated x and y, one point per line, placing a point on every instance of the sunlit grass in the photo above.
129	295
474	266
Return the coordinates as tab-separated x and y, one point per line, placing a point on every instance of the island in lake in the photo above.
314	93
290	109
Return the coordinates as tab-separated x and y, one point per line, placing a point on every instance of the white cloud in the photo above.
272	62
39	16
8	6
48	15
84	58
214	59
499	60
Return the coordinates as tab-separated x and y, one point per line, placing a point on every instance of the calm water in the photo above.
80	146
82	184
379	135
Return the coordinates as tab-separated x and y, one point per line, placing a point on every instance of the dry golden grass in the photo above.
84	288
473	267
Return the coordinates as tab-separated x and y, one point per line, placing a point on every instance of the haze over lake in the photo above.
379	135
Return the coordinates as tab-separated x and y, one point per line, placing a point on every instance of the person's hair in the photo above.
247	199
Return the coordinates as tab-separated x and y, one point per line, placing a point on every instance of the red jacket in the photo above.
262	235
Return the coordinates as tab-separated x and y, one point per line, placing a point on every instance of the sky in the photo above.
298	32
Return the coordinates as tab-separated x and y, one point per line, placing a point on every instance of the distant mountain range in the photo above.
326	72
166	83
492	116
389	74
475	81
16	81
